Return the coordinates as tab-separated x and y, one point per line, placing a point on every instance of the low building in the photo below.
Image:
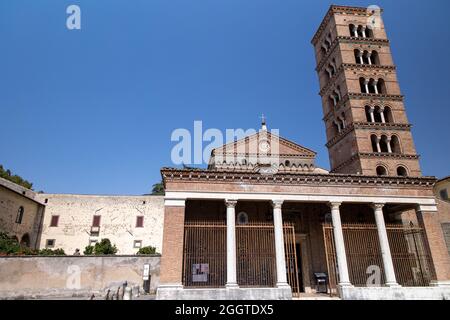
75	221
21	213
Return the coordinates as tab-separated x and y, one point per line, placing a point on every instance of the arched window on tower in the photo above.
402	172
369	32
375	58
381	171
395	145
362	84
352	30
361	31
368	114
377	114
372	86
384	144
366	57
381	86
358	56
388	115
374	140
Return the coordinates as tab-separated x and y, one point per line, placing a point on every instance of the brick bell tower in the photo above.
366	125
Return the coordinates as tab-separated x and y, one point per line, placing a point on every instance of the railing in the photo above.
205	255
410	256
204	258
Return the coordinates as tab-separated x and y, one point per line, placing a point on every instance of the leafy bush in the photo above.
104	247
147	250
89	250
50	252
8	245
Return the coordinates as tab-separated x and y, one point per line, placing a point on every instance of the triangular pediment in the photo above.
256	143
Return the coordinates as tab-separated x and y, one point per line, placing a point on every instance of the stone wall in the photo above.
117	222
32	277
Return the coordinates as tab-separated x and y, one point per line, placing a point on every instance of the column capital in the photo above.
334	204
377	206
230	203
276	204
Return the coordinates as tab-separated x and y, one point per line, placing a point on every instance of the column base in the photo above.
345	285
232	286
440	283
282	285
392	285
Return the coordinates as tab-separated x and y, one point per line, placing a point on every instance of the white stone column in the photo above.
371	111
378	144
360	56
366	85
375	87
383	120
388	265
388	143
279	243
231	244
341	257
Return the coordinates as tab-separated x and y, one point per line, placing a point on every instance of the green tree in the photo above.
6	174
104	247
147	250
158	188
89	250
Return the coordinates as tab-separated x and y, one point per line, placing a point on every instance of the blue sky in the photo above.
92	110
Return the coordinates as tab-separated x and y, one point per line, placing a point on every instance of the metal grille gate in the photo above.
204	255
412	262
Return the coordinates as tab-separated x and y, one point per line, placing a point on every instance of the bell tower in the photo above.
366	125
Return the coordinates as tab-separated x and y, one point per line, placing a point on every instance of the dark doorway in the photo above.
299	267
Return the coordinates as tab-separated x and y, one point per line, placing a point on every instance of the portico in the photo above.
277	204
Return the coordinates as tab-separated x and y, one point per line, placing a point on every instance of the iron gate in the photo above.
411	259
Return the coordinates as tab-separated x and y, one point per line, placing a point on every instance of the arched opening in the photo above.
362	84
383	144
374	139
361	32
366	57
381	86
287	163
381	171
377	114
369	32
395	144
402	172
331	102
368	116
335	129
388	115
352	30
375	58
25	241
372	86
357	56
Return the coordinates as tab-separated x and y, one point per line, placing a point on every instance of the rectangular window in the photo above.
140	222
137	243
444	194
54	221
50	243
96	221
92	242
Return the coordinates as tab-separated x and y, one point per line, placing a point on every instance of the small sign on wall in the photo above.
200	272
146	272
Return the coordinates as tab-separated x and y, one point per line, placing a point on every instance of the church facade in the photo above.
263	222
